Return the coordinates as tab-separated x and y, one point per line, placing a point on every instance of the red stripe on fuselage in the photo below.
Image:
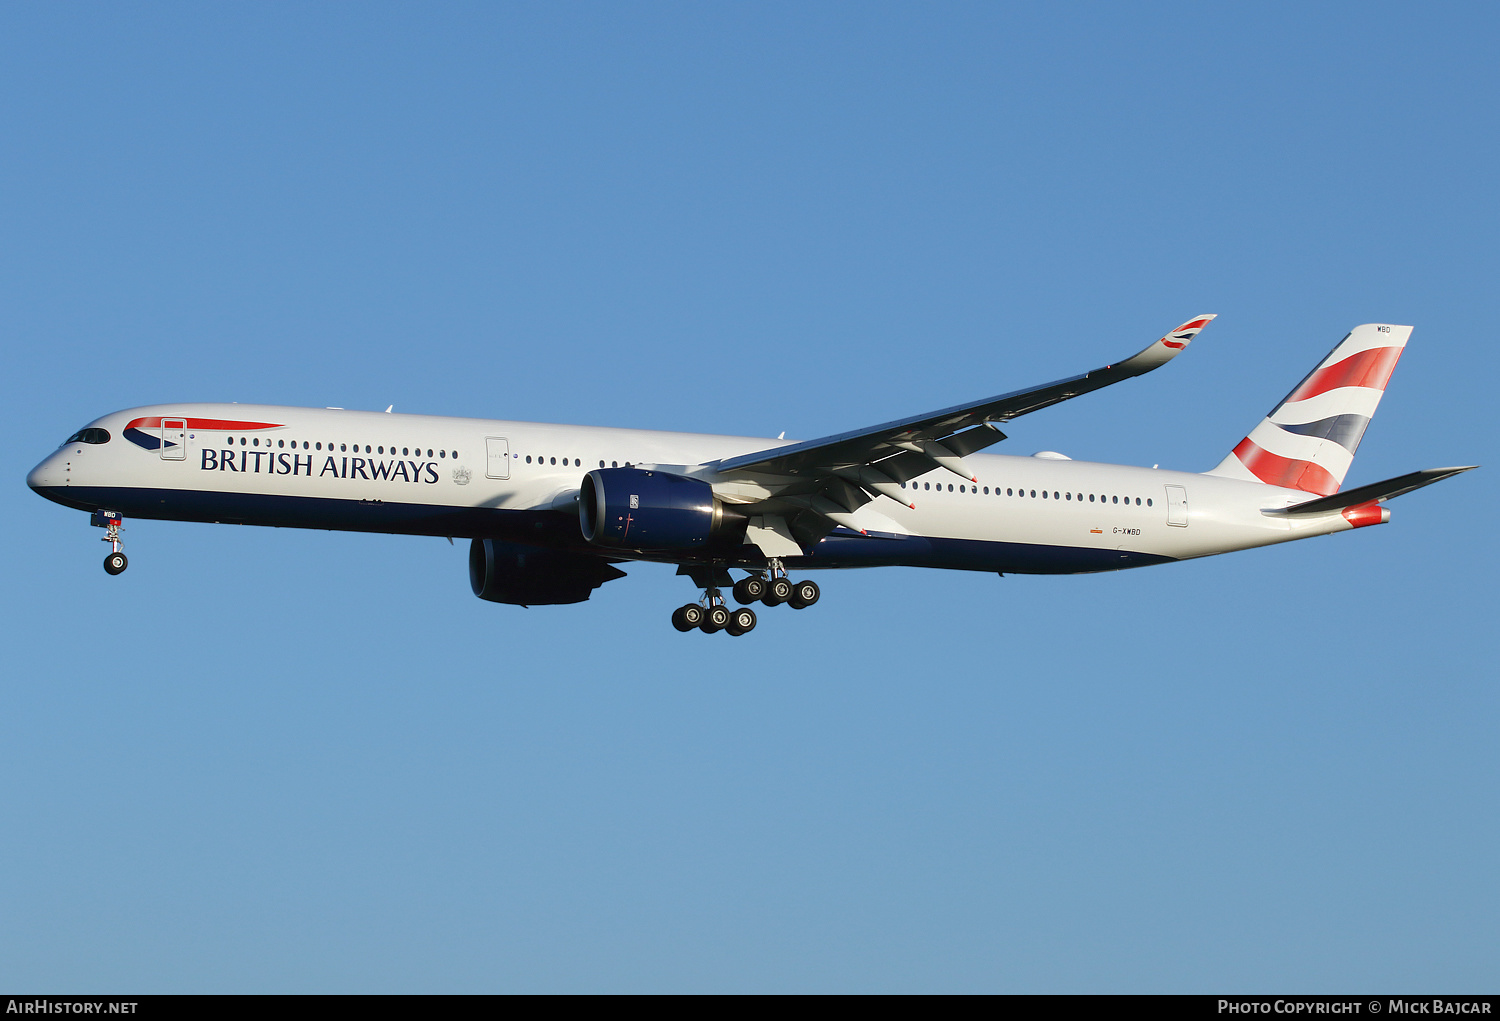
223	425
1370	368
1275	470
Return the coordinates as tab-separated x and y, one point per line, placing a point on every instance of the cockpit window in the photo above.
90	436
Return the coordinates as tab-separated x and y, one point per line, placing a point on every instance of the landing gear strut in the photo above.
111	521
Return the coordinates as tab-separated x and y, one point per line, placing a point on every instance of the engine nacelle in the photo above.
508	572
637	509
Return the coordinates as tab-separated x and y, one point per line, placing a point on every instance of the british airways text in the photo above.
268	462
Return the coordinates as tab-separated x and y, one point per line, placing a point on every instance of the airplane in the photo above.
550	510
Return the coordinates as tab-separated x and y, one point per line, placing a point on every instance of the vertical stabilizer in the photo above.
1308	441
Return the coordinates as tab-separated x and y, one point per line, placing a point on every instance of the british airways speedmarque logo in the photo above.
135	431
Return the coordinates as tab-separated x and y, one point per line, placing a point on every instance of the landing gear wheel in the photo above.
741	621
685	618
750	590
804	594
777	592
115	563
715	618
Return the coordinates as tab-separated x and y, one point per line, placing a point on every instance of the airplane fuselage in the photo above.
519	482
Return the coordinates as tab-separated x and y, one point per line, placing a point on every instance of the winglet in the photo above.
1169	347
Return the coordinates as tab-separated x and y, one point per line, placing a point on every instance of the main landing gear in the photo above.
111	521
776	591
711	613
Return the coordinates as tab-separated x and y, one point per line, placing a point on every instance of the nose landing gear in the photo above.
111	522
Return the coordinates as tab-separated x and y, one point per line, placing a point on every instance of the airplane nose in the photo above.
43	476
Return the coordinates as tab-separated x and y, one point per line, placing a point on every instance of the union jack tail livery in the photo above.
1309	440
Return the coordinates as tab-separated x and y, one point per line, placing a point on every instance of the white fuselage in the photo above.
365	471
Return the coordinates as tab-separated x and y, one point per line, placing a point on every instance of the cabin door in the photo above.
497	457
174	439
1177	506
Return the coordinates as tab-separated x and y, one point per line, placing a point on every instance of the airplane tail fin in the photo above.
1308	441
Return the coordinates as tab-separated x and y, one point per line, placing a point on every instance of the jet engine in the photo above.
639	509
508	572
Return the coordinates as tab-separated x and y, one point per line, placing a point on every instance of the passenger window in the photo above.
528	458
960	488
1148	501
614	464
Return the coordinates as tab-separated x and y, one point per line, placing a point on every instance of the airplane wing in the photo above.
862	446
814	486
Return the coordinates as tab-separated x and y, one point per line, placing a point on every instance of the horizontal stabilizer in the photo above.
1375	492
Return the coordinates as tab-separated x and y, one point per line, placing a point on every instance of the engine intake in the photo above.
639	509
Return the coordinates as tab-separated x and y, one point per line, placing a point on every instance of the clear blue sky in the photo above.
271	760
